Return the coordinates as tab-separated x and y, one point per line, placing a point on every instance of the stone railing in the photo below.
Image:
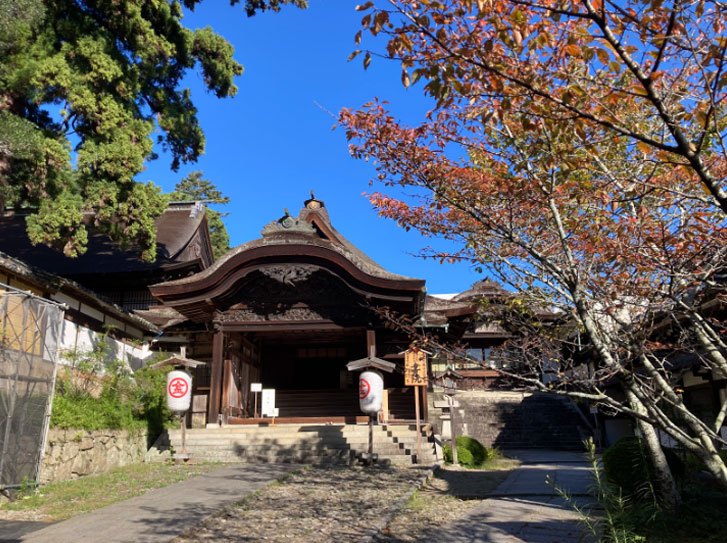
70	454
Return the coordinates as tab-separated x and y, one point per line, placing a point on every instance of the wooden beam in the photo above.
213	409
282	326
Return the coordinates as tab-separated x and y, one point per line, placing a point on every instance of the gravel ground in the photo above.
447	496
321	504
343	504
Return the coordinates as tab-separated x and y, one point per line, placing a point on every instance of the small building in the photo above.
88	318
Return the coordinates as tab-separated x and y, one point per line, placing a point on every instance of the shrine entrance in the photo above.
308	372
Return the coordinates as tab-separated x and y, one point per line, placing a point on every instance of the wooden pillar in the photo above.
213	409
226	380
370	342
425	406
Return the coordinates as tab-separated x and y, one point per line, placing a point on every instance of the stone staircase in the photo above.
305	443
518	420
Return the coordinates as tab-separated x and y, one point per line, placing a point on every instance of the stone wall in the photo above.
512	420
70	454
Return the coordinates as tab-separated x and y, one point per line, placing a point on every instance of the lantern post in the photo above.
179	392
370	393
448	381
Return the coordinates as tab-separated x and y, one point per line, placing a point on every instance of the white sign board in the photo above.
256	387
268	402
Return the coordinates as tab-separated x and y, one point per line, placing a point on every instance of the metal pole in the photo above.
418	425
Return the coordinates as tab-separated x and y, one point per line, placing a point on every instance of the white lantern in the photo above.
370	391
179	391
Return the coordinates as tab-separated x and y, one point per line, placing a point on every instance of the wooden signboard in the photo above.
415	375
415	368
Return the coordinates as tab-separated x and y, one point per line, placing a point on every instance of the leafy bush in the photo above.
150	399
627	465
103	395
470	452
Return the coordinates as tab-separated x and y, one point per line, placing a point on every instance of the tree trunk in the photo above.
664	484
710	456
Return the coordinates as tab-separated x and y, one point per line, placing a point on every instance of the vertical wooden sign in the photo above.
415	374
415	368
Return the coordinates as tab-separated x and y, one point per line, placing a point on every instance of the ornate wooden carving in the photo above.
294	293
289	274
286	314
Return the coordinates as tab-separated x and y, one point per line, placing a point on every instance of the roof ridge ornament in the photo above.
288	224
313	202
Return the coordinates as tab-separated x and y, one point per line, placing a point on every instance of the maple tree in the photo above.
575	149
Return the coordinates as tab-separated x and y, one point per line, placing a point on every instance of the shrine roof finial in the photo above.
313	202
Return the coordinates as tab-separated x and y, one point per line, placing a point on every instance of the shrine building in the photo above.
289	310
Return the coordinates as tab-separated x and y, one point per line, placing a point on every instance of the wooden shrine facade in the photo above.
289	310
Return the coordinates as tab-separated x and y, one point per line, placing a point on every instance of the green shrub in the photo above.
150	399
627	465
125	401
470	452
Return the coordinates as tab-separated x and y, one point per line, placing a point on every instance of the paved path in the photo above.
162	514
524	509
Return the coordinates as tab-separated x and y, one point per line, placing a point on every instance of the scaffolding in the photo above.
30	332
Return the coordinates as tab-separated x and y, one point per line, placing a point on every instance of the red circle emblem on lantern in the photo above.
363	388
177	387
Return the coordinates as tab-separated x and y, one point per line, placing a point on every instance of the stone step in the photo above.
320	447
296	429
221	439
290	435
216	441
294	443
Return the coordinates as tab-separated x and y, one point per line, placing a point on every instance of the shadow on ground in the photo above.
13	531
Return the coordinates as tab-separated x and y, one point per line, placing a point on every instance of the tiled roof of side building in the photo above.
55	284
180	239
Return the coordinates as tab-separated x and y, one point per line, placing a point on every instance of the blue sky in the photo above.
273	143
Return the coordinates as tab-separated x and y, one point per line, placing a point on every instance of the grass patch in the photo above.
701	519
65	499
627	517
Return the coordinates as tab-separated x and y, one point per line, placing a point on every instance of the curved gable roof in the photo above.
307	239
